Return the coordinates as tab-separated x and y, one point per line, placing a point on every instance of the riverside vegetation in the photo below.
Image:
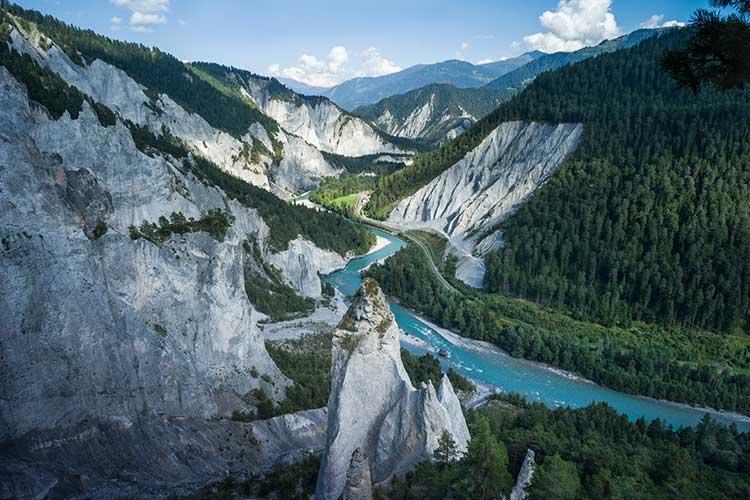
677	363
647	219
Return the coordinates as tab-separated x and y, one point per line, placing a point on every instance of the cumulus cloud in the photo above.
655	21
574	25
374	64
144	13
336	67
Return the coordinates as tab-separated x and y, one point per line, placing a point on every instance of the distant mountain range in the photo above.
367	90
438	112
520	76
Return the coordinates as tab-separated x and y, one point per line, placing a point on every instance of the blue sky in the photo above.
323	43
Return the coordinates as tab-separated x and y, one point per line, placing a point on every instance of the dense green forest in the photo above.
158	71
522	76
648	219
586	453
428	166
677	364
215	222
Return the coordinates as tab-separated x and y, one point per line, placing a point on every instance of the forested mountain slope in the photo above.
549	62
435	113
648	219
367	90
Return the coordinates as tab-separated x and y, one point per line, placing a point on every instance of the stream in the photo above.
491	367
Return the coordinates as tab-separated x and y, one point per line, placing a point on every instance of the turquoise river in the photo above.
493	368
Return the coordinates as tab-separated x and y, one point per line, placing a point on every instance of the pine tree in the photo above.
446	450
488	459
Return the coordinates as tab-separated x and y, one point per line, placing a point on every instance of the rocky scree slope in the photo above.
375	415
154	90
434	113
114	349
469	199
316	120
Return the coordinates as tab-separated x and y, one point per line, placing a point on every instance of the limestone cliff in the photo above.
373	405
122	359
470	198
252	157
317	120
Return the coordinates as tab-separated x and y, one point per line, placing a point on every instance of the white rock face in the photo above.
524	478
373	405
303	262
112	348
113	284
321	123
301	166
435	119
474	195
417	120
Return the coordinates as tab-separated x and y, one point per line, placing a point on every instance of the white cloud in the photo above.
144	5
374	64
336	67
139	18
337	58
485	61
655	22
673	24
575	24
144	13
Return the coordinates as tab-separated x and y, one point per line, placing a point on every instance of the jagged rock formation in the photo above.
317	120
283	159
470	198
121	359
152	457
303	263
524	477
433	113
373	405
358	479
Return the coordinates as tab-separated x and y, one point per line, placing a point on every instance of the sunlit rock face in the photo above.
470	198
299	167
121	358
319	122
373	407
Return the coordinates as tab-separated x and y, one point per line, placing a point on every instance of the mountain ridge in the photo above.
463	74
